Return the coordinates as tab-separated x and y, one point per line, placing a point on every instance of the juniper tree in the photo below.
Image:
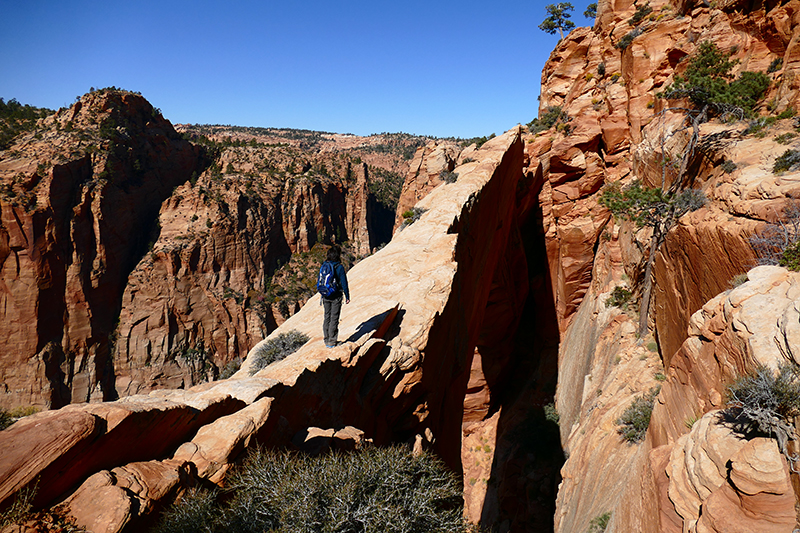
711	90
657	210
558	19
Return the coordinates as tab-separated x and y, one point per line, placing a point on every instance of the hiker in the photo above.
332	285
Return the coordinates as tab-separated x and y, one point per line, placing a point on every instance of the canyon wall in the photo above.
602	366
80	199
133	259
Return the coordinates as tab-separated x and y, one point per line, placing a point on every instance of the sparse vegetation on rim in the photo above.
16	118
277	348
412	215
552	116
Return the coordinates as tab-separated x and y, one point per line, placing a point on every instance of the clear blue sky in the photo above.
442	68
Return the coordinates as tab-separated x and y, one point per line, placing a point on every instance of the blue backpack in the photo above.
326	284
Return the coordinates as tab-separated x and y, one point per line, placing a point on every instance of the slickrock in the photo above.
756	323
111	500
400	374
81	439
720	482
415	384
424	174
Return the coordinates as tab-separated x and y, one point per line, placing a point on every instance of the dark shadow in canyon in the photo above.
380	220
523	485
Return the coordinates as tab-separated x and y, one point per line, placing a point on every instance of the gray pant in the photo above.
330	326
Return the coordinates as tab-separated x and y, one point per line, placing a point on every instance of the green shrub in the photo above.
633	423
728	166
790	257
763	402
193	512
599	523
788	160
706	83
5	419
620	297
737	280
230	368
601	69
626	41
785	138
277	348
756	127
775	66
448	177
20	509
789	112
551	413
641	12
412	215
650	206
376	489
552	115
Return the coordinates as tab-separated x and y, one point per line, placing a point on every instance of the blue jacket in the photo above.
341	277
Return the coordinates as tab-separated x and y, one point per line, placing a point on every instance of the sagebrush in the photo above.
277	348
412	215
599	523
633	423
777	244
766	402
376	489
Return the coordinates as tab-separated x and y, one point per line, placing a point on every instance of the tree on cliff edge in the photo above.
711	90
654	209
558	19
708	88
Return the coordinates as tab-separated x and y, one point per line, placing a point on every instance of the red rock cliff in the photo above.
80	198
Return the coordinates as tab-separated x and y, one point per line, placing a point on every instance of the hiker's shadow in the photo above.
374	323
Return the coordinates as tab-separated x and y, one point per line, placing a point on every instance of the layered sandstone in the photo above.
425	173
616	116
81	195
197	301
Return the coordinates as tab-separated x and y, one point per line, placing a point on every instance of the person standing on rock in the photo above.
332	286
